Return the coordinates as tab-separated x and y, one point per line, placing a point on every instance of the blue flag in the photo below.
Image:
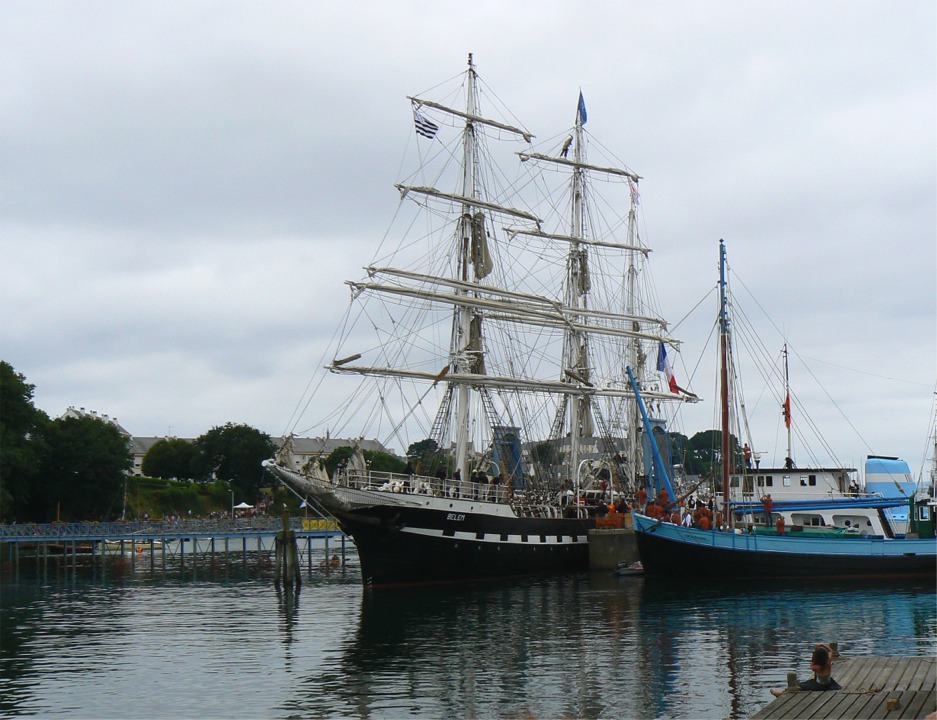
582	109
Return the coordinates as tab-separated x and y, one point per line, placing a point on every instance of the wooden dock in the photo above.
872	688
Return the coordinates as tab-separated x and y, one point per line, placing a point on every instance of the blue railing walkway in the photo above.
171	539
164	530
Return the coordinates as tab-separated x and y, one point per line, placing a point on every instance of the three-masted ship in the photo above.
500	334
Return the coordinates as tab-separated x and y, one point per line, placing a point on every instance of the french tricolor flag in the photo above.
663	365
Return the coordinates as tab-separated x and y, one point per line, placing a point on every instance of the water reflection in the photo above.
586	646
599	646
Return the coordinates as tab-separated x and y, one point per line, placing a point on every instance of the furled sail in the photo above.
481	259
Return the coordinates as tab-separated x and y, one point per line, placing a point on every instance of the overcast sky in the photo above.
185	185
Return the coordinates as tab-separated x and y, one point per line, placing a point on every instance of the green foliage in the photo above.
681	453
340	453
377	461
706	449
384	462
234	453
82	470
419	450
173	458
545	453
22	428
427	457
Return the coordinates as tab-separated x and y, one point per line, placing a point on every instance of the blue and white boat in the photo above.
820	522
673	550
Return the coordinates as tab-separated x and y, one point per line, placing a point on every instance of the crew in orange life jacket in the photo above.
642	499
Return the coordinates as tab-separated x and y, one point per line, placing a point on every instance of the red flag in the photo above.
786	409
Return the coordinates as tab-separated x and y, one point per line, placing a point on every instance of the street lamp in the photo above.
232	504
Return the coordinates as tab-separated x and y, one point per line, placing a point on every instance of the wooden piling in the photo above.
287	557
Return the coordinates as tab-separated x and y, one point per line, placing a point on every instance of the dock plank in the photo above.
868	684
906	679
926	701
925	675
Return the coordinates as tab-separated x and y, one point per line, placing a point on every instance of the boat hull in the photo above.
672	550
404	538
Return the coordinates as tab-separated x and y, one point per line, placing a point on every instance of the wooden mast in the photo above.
724	376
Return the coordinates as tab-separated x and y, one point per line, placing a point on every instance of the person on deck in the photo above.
642	499
822	665
769	505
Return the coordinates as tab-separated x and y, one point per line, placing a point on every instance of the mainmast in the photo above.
786	410
575	289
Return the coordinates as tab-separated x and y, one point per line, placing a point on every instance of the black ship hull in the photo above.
407	546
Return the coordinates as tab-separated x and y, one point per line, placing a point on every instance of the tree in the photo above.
376	460
21	442
173	458
681	453
384	462
234	453
706	448
427	457
545	453
342	452
419	450
83	470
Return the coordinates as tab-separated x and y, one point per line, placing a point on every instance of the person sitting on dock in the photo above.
822	665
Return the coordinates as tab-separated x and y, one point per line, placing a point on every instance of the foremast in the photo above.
460	361
577	288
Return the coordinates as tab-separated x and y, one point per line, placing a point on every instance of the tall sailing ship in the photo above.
502	337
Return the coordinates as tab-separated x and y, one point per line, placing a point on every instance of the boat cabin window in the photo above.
734	481
806	480
747	486
923	513
787	481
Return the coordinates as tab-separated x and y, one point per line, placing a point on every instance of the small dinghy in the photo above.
635	568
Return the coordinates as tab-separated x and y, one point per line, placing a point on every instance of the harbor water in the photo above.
218	640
